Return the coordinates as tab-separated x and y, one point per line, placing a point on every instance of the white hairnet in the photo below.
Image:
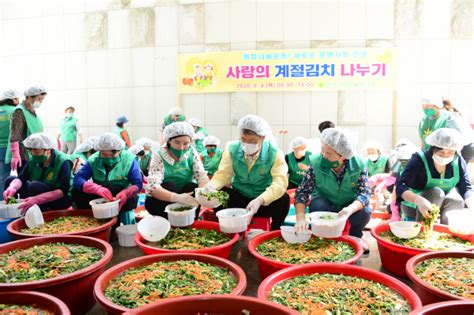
374	145
9	95
297	142
434	100
35	90
40	140
109	141
256	124
341	140
135	149
175	111
87	145
145	142
211	140
195	122
446	138
178	129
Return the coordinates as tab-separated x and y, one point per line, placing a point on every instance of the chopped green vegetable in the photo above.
142	285
327	217
315	250
338	294
435	241
15	309
66	224
181	209
191	238
221	196
453	275
429	221
11	201
46	261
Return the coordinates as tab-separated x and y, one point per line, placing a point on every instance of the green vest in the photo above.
446	184
211	164
50	174
118	131
326	185
6	113
33	125
145	162
377	167
427	126
251	183
169	119
180	172
68	129
297	174
198	142
118	175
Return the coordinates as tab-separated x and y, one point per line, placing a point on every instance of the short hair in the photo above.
325	125
249	132
70	108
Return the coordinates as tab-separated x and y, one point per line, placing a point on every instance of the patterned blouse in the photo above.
304	191
157	169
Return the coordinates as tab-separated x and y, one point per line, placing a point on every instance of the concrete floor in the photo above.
243	258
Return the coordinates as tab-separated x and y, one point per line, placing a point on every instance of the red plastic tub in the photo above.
101	232
212	304
428	293
115	271
446	308
394	257
40	300
74	289
334	268
222	250
268	266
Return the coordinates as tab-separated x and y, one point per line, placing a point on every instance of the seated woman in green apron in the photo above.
377	163
435	176
175	171
82	153
145	160
212	155
46	178
336	181
175	114
199	134
257	171
112	173
298	162
434	118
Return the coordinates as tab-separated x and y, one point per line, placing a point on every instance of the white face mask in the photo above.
249	148
36	104
68	115
373	157
441	160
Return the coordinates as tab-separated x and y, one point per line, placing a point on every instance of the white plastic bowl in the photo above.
153	229
10	211
180	218
327	228
405	229
102	209
233	220
213	203
291	236
461	221
126	235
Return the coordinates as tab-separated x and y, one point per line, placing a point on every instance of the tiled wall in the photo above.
113	57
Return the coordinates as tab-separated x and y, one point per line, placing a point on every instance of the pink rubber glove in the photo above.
15	185
40	199
16	158
125	194
91	188
395	212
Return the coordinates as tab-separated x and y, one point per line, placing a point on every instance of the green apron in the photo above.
49	175
297	174
198	142
211	164
326	185
68	129
33	125
169	119
427	126
6	113
377	167
145	162
252	183
446	184
117	176
180	172
118	131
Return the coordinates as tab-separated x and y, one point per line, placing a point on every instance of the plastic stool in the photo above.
207	214
347	228
258	223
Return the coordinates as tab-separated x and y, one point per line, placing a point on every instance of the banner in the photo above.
287	70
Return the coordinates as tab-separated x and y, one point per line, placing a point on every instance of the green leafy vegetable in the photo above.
221	196
181	209
11	201
191	238
435	241
66	224
15	309
429	221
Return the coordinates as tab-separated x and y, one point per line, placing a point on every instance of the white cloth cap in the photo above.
341	140
10	94
135	149
297	142
175	111
109	141
87	145
211	140
145	142
256	124
434	100
40	140
178	129
35	90
446	138
195	122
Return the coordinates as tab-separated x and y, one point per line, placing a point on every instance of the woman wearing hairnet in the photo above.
337	181
434	118
82	153
175	171
8	102
121	132
175	114
257	172
46	178
115	174
436	176
145	159
199	134
138	152
212	155
25	122
298	162
377	163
